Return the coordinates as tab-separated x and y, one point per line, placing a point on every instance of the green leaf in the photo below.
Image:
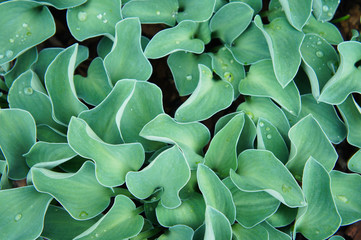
154	11
94	88
325	30
169	172
261	82
79	193
283	216
45	57
308	139
283	40
190	212
59	225
269	138
47	134
260	170
22	64
215	193
65	103
217	225
94	18
144	105
197	11
319	219
62	4
224	65
324	9
17	212
23	24
231	20
274	233
319	61
251	207
208	98
48	155
326	116
351	114
256	107
354	164
104	47
191	138
184	68
297	12
221	155
179	232
346	79
336	238
126	51
241	233
178	38
17	135
112	162
121	222
345	190
109	109
28	93
255	4
250	47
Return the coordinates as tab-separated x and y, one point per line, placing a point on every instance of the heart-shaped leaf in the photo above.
94	88
208	98
308	139
324	9
64	100
297	12
255	4
251	207
261	82
346	79
260	170
215	193
191	138
80	193
319	219
178	38
126	51
184	67
169	172
17	212
94	18
23	24
283	40
345	191
231	20
121	222
112	162
17	135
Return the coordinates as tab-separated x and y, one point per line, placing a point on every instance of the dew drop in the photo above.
158	13
17	35
278	28
28	91
177	42
97	235
28	34
286	188
261	124
231	61
9	53
105	21
317	232
83	214
78	28
174	14
267	129
18	217
228	76
325	8
25	25
319	42
189	77
99	16
11	40
342	198
269	136
319	54
329	14
82	16
249	114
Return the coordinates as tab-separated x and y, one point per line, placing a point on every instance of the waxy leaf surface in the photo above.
297	12
217	225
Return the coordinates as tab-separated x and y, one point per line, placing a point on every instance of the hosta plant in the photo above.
103	158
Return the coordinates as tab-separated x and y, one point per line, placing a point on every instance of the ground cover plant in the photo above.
105	156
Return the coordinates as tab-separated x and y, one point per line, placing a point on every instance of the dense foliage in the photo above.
102	159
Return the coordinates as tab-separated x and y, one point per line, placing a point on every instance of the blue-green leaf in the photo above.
178	232
324	9
297	12
354	164
217	225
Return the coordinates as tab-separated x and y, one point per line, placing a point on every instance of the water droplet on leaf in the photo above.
342	198
99	16
189	77
105	21
9	53
11	40
267	129
28	91
18	217
83	214
286	188
319	54
28	34
319	42
25	25
269	136
82	16
228	76
261	124
177	42
158	13
325	8
329	14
